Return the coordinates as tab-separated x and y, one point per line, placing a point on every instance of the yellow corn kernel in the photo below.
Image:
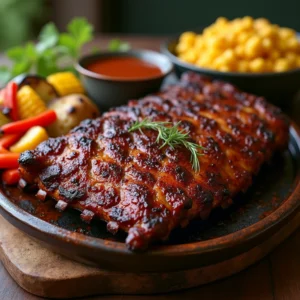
282	45
224	68
214	53
269	65
243	37
188	38
247	22
30	140
213	42
267	44
253	47
261	22
228	55
286	33
236	22
199	43
281	65
209	31
190	56
231	39
274	55
221	21
239	51
204	61
257	65
292	58
267	31
29	103
243	66
292	44
181	56
66	83
219	62
182	48
3	119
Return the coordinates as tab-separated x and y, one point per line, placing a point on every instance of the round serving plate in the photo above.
271	202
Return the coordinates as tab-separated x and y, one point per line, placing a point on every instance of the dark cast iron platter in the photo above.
271	202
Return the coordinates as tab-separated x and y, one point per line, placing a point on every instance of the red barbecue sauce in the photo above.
125	68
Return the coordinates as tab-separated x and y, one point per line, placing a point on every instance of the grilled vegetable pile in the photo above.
48	103
32	109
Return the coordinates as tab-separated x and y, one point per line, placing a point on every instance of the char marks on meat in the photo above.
134	185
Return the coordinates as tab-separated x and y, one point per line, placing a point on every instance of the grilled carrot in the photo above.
9	139
43	119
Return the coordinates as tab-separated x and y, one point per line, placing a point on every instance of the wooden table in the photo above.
275	277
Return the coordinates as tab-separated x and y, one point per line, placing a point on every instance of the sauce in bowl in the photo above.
125	68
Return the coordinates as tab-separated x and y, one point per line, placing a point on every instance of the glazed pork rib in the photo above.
129	181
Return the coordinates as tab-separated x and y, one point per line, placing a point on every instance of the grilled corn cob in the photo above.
66	83
32	138
29	103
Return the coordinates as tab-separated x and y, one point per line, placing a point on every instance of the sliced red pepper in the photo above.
43	119
9	139
11	176
9	160
3	150
10	100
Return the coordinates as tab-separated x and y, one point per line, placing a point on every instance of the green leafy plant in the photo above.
171	136
18	20
54	51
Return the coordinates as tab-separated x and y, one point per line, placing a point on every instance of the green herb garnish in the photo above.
54	51
171	136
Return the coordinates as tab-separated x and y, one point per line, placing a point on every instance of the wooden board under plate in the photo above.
45	273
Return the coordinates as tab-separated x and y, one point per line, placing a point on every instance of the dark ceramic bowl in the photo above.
110	91
279	88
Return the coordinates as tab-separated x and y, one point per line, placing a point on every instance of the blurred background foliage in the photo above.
20	20
165	17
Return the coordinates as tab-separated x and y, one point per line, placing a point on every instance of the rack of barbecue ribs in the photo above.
134	184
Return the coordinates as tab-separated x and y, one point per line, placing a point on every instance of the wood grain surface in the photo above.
45	273
275	277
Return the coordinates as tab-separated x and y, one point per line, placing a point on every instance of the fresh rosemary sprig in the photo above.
171	136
